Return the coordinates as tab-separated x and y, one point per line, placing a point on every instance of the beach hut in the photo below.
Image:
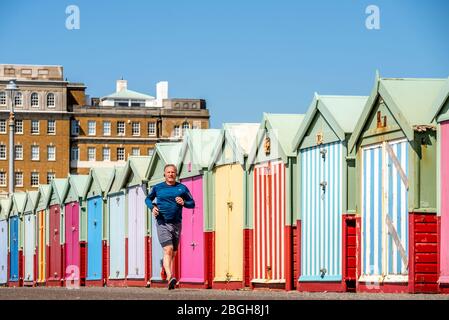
226	205
94	194
117	230
326	224
55	253
5	207
196	246
29	243
42	234
165	153
441	115
272	165
138	242
394	144
75	230
16	239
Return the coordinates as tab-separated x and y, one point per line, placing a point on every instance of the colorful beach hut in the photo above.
325	219
29	242
5	207
441	115
117	230
195	252
138	241
55	205
16	239
95	196
75	231
395	147
42	234
165	153
226	206
272	165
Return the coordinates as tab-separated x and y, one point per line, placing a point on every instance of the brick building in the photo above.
58	132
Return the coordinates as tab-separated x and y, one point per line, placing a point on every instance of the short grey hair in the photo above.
171	165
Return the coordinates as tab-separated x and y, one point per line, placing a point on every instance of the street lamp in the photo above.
11	88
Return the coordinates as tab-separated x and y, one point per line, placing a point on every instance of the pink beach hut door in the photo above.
192	234
72	241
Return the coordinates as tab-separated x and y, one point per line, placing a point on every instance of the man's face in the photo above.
170	175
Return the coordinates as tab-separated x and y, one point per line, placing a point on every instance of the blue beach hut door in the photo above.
94	238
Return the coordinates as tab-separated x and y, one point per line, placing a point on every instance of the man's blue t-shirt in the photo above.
163	196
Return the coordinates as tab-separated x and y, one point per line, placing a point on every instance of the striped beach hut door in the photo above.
29	247
41	246
117	237
385	210
14	249
321	207
3	251
269	222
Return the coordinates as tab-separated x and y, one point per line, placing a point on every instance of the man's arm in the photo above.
150	197
188	200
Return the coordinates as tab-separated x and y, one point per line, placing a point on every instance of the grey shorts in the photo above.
168	233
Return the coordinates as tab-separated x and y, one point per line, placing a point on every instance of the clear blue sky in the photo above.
243	57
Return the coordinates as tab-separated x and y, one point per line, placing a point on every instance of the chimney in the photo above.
122	85
161	92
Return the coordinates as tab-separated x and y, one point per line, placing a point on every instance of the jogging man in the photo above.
166	200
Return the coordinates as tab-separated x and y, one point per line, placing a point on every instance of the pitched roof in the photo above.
201	143
58	186
32	199
19	201
5	205
440	102
78	183
410	101
138	165
336	110
114	182
128	94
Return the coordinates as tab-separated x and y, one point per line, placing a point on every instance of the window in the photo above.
135	151
136	129
91	128
2	152
150	151
34	152
74	154
34	126
91	154
2	98
3	179
120	154
177	131
51	126
121	128
34	179
106	128
18	152
51	100
106	154
18	99
50	177
18	128
18	179
151	128
34	99
185	126
51	153
75	127
2	126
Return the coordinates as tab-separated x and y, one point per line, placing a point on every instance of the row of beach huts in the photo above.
351	196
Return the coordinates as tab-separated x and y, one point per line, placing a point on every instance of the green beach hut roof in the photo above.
411	102
77	184
5	208
168	153
44	195
98	177
136	166
32	200
441	100
18	203
114	181
284	127
57	187
240	137
341	112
